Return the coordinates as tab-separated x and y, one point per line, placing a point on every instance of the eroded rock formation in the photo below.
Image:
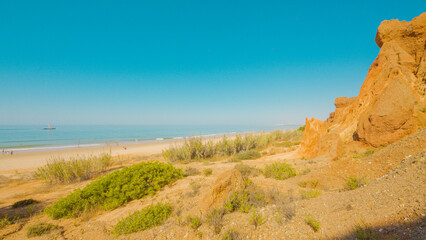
391	102
314	130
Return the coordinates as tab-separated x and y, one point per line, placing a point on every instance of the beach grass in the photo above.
197	148
80	168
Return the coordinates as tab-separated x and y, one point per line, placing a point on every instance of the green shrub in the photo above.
244	200
40	229
194	222
59	170
279	171
354	183
24	203
314	224
208	172
363	231
303	184
306	194
146	218
4	222
256	219
248	155
302	128
309	184
215	218
116	189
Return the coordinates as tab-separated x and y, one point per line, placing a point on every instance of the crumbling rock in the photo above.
391	102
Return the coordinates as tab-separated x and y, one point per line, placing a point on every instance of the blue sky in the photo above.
185	62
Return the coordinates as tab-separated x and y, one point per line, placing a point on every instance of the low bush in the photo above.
5	221
306	194
59	170
247	171
363	231
146	218
190	171
284	212
309	184
279	171
208	172
194	222
354	183
40	229
24	203
215	219
256	219
305	171
248	155
314	224
116	189
244	200
231	234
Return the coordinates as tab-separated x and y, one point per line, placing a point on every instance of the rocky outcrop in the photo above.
225	184
391	102
341	103
314	130
391	116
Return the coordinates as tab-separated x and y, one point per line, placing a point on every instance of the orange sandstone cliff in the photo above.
391	102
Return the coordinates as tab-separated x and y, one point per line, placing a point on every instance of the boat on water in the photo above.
49	127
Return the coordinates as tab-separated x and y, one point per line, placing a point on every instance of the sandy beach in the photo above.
28	161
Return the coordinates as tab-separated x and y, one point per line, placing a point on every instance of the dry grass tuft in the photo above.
59	170
197	148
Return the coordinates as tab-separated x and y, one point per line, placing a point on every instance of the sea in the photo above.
34	138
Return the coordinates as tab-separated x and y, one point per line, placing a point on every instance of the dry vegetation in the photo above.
278	198
242	146
80	168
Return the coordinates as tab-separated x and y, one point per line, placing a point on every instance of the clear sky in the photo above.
185	62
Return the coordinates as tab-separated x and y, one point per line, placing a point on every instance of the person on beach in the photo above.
11	152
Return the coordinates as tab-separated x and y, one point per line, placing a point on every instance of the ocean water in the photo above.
35	138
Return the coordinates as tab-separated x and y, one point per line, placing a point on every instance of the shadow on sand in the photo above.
410	230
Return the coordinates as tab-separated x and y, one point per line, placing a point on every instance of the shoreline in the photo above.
32	139
31	160
19	149
26	161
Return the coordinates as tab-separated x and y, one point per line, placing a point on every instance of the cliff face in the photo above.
391	102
